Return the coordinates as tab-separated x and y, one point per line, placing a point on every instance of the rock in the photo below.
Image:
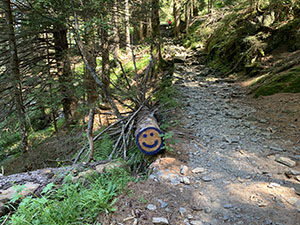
185	180
184	169
275	148
227	206
206	179
190	216
225	217
297	178
10	192
198	170
151	207
182	211
285	161
108	166
196	222
295	202
273	185
160	220
162	203
174	181
295	172
207	210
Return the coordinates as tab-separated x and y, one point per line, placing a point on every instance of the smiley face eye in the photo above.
151	134
145	135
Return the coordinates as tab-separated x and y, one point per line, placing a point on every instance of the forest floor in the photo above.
237	160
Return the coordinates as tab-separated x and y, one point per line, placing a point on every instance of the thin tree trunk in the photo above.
16	76
142	31
195	8
63	70
90	133
187	16
149	27
177	16
210	6
105	64
127	28
116	29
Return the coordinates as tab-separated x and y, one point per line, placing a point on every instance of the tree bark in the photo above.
127	25
16	76
156	30
90	134
63	70
105	63
177	16
187	15
116	29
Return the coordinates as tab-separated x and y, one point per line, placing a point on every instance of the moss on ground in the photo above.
286	82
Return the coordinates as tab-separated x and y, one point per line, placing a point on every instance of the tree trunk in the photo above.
127	25
187	16
116	29
105	64
149	27
177	16
141	30
210	5
156	30
63	70
16	76
90	134
195	8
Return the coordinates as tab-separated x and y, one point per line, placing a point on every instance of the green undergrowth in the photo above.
247	42
286	82
72	203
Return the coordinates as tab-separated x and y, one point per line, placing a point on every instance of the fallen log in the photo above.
148	134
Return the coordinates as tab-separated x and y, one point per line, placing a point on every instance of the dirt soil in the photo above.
225	168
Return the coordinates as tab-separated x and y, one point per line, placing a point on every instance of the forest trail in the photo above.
230	166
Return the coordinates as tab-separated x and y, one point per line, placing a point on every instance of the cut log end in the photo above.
149	140
148	135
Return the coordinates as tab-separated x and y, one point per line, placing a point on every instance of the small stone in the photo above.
190	217
227	206
207	210
160	220
269	222
186	180
174	181
198	170
273	185
295	172
297	178
182	211
151	207
184	169
285	161
196	222
206	179
225	217
275	148
162	203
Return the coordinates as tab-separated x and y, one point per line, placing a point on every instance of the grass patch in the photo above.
288	82
72	203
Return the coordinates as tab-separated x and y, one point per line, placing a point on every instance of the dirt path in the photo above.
230	167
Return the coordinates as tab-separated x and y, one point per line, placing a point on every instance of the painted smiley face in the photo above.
149	140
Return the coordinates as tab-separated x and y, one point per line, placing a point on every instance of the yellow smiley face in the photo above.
149	140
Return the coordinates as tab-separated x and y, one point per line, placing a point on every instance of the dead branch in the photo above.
96	137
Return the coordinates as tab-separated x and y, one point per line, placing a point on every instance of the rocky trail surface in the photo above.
230	166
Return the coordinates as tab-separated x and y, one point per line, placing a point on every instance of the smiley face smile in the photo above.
151	146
